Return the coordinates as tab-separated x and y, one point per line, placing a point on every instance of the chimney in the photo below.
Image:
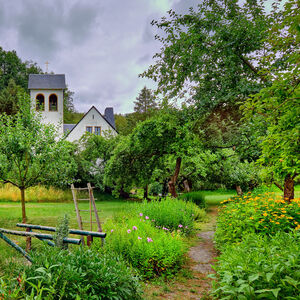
109	116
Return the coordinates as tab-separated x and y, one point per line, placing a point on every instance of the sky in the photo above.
100	45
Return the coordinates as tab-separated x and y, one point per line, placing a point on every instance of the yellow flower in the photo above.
265	214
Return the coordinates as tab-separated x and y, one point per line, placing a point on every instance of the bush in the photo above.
172	214
264	214
82	274
154	252
195	197
155	188
260	268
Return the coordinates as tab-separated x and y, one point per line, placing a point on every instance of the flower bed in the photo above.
264	214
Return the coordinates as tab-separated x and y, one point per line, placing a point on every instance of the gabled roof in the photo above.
86	114
47	81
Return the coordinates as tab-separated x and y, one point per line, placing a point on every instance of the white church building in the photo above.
47	91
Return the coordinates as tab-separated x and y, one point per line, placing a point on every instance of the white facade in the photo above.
54	117
92	122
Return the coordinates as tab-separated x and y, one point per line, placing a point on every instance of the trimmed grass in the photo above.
47	214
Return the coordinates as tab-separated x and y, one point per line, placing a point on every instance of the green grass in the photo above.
217	196
46	214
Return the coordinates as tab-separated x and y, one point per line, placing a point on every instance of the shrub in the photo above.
153	251
195	197
155	188
264	214
82	274
172	214
260	268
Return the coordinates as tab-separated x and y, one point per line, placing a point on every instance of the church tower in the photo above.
46	93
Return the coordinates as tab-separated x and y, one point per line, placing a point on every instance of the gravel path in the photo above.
201	256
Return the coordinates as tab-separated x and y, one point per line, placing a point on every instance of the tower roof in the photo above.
47	81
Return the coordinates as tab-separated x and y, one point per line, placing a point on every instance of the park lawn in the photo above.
46	214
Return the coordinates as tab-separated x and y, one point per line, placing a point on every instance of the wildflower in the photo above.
141	214
186	227
134	228
153	220
128	230
265	214
139	238
112	231
149	240
180	225
147	218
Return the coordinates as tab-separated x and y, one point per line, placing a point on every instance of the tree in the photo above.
276	105
9	98
145	103
12	67
210	57
92	156
30	152
165	136
71	116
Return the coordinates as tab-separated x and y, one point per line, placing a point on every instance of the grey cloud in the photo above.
101	46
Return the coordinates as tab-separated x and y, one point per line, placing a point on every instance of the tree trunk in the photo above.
23	205
288	191
146	192
172	182
186	186
239	190
24	219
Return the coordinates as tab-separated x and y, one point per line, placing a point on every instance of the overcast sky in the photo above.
100	45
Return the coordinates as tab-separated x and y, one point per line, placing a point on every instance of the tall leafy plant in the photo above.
31	152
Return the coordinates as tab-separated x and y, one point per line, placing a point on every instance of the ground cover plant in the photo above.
265	214
154	252
195	197
80	274
46	214
172	214
260	267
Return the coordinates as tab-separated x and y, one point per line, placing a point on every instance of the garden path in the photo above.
193	283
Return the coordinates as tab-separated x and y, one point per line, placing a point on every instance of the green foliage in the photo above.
152	251
260	267
12	67
276	105
263	214
30	152
145	103
195	197
62	231
155	188
172	214
80	274
206	52
92	160
9	98
151	145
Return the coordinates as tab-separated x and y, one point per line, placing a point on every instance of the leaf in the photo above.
253	277
275	292
269	276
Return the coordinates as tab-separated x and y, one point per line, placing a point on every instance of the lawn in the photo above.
49	213
46	214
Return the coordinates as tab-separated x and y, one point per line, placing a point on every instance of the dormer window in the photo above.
52	102
40	102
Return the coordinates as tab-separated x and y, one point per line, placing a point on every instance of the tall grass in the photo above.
38	193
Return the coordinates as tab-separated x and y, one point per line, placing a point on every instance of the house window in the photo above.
89	129
97	130
40	102
52	102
